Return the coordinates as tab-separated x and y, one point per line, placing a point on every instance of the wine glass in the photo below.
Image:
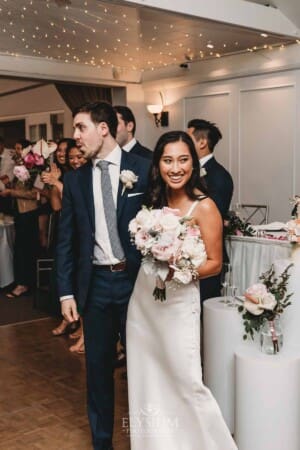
226	275
232	296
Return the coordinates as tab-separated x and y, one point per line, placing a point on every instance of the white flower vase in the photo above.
271	336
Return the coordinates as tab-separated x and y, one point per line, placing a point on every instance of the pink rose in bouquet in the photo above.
29	160
166	247
167	242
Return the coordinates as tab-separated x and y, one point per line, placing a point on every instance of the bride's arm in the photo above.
209	220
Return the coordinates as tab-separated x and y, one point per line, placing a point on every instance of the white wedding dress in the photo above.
169	407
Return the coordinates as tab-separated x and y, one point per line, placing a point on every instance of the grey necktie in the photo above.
110	211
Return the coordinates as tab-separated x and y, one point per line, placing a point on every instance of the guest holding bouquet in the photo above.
30	161
181	241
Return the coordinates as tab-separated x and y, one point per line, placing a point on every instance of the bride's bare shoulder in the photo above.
206	207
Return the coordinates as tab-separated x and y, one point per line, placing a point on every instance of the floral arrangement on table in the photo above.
167	241
293	226
235	226
33	160
265	301
295	202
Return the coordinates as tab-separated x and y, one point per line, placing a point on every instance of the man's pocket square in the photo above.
134	194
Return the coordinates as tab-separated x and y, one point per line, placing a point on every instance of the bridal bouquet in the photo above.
33	160
169	244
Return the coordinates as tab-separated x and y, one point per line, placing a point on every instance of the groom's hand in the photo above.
69	310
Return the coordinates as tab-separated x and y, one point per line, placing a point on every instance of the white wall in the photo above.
39	100
259	118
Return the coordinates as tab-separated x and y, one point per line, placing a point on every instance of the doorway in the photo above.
11	131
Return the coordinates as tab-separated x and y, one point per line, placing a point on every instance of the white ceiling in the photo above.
129	35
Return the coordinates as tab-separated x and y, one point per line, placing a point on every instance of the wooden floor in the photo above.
42	392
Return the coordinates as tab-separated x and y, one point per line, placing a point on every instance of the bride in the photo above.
169	407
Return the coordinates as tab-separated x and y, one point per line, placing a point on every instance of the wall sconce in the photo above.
161	117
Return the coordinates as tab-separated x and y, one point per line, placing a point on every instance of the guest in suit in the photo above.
96	209
126	132
219	182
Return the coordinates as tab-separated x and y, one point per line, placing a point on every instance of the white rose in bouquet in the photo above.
144	220
170	222
193	249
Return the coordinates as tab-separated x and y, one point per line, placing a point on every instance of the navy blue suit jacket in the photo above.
144	152
220	185
220	189
76	237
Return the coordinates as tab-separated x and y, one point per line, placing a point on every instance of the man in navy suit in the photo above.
126	132
96	262
219	183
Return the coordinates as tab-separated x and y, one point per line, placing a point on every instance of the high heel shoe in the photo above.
12	294
61	329
78	347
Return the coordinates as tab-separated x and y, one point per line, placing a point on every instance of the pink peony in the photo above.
29	160
257	290
193	231
166	247
143	241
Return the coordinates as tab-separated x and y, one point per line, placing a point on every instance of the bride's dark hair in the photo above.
156	195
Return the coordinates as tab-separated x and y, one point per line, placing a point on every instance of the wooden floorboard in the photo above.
42	392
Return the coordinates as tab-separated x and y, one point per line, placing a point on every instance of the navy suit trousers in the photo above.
104	317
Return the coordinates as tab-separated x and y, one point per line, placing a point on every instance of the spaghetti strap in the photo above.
201	197
192	207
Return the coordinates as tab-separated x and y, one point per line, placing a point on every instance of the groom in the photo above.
96	262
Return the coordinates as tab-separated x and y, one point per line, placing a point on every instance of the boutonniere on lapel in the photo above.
128	178
203	172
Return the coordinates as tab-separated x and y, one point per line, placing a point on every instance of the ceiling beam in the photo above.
43	69
234	12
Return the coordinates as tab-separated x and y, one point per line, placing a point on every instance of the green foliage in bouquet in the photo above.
265	301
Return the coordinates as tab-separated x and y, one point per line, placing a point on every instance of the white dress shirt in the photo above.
127	147
205	159
103	254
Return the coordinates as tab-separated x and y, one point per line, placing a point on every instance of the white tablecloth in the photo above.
6	253
222	330
267	406
255	391
250	257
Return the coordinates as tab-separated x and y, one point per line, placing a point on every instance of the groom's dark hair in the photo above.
100	112
206	129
